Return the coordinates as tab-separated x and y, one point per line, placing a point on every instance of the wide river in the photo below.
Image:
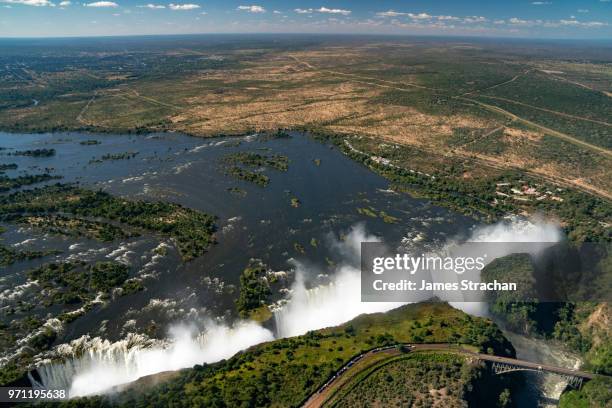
311	243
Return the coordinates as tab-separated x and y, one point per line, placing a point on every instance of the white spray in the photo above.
92	366
332	304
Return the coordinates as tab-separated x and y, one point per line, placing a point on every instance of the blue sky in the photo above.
506	18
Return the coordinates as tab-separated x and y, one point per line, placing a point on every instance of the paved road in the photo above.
364	361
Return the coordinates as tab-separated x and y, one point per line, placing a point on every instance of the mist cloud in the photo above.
94	366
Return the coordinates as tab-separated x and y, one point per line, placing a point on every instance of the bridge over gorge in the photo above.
499	365
502	365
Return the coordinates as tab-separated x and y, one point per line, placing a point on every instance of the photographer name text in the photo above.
423	285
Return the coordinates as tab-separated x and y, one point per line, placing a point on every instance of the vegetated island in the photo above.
9	256
7	166
247	166
114	156
11	183
191	230
275	161
256	283
35	153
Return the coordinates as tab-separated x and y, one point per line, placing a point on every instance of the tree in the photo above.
504	399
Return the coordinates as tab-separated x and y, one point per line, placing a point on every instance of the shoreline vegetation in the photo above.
583	216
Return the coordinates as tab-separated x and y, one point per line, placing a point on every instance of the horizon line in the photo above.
603	39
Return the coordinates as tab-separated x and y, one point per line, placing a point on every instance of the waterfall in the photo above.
327	305
85	354
91	366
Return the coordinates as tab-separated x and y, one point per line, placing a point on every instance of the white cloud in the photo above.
582	10
572	22
390	13
101	4
153	6
569	22
541	3
35	3
577	23
531	23
416	16
323	10
420	16
475	19
448	18
277	12
425	20
183	7
594	24
252	9
334	11
518	21
65	3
